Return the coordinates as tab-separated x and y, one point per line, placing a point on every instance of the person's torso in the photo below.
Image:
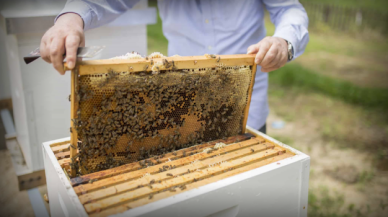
196	27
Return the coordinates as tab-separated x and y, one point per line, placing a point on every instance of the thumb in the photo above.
253	49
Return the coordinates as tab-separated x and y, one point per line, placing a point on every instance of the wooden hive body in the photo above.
131	187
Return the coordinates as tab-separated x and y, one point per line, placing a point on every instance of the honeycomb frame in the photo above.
95	81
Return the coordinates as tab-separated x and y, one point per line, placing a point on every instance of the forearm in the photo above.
291	22
70	19
97	13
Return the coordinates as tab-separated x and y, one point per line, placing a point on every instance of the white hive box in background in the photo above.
39	93
277	187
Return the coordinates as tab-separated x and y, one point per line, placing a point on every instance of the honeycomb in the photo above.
125	117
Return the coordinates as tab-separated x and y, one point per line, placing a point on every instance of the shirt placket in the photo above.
208	27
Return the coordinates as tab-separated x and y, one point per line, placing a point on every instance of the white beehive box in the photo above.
39	94
278	188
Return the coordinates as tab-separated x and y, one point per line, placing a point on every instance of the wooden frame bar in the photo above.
99	193
73	115
135	165
89	67
254	67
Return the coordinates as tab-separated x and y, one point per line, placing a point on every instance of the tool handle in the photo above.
33	55
29	59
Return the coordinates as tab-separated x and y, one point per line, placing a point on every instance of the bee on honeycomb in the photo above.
155	55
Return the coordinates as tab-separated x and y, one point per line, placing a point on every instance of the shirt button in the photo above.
209	47
206	21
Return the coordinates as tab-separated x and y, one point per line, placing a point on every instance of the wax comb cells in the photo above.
131	116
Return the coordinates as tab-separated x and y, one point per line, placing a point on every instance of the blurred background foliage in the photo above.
334	103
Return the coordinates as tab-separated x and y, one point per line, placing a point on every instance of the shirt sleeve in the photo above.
97	13
291	22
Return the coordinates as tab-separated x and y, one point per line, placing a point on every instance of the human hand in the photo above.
271	53
65	36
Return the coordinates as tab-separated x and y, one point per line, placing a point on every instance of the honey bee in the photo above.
151	196
69	98
219	58
252	150
92	180
169	174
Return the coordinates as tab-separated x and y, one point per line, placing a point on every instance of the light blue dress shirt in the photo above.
196	27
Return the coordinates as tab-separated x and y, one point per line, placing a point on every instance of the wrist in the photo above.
290	50
70	19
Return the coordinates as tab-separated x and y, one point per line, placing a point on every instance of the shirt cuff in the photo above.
80	8
287	33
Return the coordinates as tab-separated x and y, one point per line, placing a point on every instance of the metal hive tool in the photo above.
129	110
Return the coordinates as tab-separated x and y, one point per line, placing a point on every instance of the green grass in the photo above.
324	38
294	75
378	5
284	139
156	42
323	203
364	178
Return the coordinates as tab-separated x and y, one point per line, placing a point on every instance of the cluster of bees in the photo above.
125	117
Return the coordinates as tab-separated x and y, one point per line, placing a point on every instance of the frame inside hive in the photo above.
95	69
130	186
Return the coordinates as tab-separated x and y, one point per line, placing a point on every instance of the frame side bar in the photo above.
73	116
250	90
